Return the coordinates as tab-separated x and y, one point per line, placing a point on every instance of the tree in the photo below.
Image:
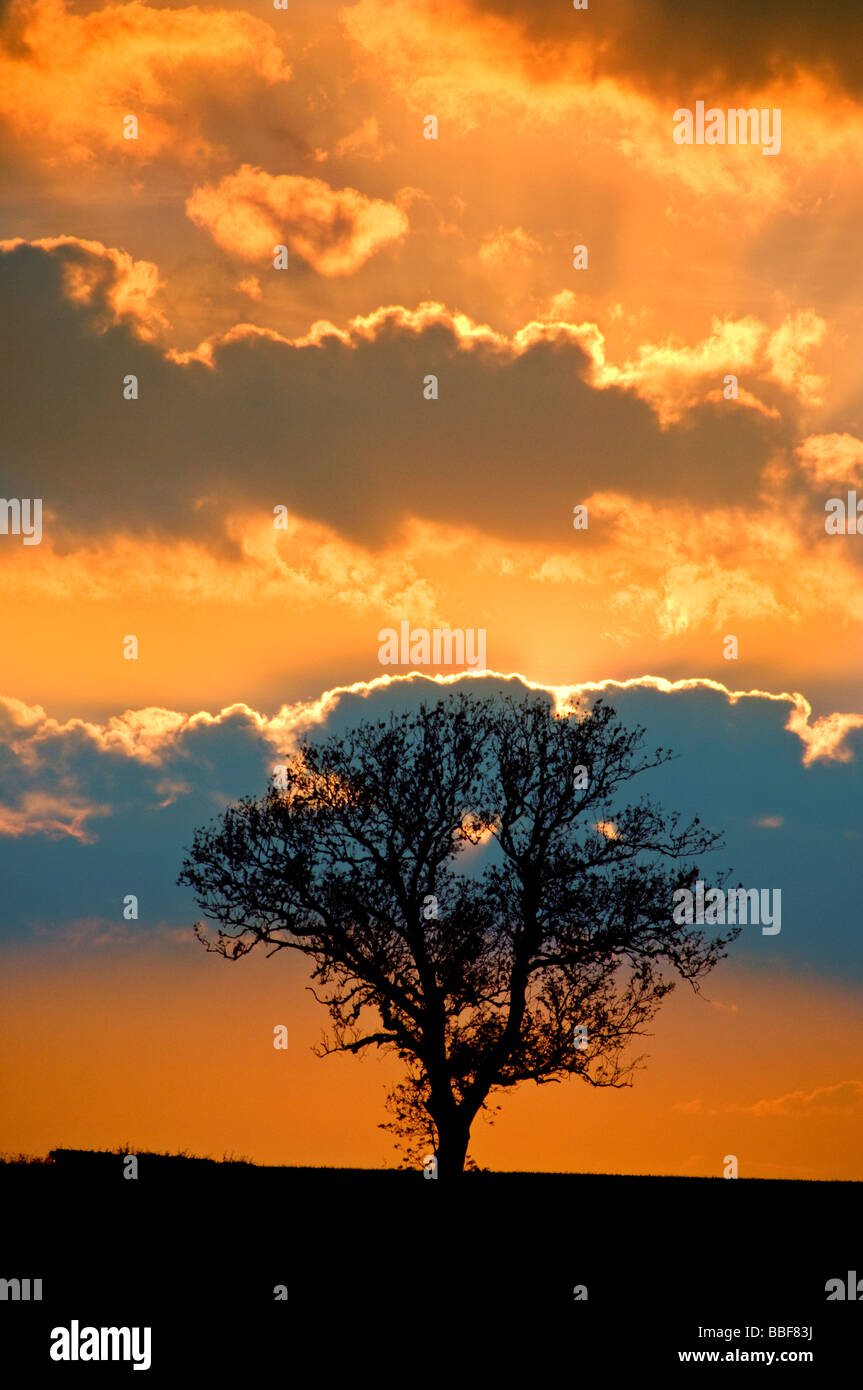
471	896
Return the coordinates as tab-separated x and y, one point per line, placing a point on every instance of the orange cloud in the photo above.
824	737
365	142
501	246
251	286
639	604
787	353
336	230
68	80
471	67
680	587
671	377
39	813
251	212
832	458
844	1098
305	566
460	64
673	589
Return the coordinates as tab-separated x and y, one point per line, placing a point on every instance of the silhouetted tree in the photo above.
464	898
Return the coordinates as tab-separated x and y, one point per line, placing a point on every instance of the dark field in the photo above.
391	1276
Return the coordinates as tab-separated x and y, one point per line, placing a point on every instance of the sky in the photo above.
281	488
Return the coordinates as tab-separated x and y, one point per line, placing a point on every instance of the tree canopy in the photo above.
473	892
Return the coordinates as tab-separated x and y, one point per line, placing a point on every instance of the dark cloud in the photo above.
341	434
736	766
676	46
146	811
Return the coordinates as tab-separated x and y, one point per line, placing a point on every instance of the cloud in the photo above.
93	933
68	80
144	734
668	564
303	414
500	247
305	566
295	409
364	143
588	75
155	773
788	351
251	286
693	1107
843	1098
674	377
250	212
682	586
653	43
152	735
832	458
826	737
52	815
121	289
621	601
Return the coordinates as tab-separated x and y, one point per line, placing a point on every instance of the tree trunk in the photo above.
453	1138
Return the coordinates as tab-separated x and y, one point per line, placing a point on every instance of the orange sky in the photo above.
167	1048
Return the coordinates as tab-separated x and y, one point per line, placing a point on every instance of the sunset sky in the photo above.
302	388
